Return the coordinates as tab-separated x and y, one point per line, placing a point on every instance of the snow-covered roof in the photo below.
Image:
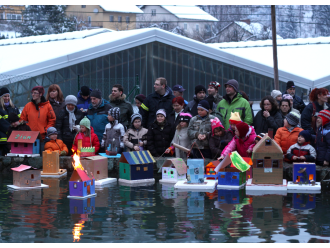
307	68
253	28
189	12
121	7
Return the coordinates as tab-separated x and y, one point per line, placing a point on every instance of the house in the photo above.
11	12
189	18
82	206
267	157
118	16
96	166
174	170
303	201
26	176
195	172
209	170
80	185
304	173
136	166
24	143
51	164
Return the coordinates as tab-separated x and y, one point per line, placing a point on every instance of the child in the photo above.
302	151
258	138
54	144
114	131
90	139
323	138
199	130
15	124
243	141
233	120
136	137
181	136
219	138
160	135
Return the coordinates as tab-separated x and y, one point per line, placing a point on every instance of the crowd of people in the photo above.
209	126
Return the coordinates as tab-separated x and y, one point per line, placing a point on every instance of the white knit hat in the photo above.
161	111
275	93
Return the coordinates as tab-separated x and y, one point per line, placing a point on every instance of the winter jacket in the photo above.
241	145
305	150
323	144
306	115
57	107
153	103
198	125
63	126
218	143
126	109
115	131
284	138
39	116
216	99
22	126
82	103
181	138
56	145
159	138
174	121
261	123
237	104
99	117
192	106
9	109
132	137
4	126
86	141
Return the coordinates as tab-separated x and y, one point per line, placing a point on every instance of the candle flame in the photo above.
76	230
76	162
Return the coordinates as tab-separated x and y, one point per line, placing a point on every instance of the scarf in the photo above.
98	105
72	118
7	104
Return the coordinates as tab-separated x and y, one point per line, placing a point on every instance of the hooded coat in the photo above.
126	109
307	113
274	121
132	137
86	141
198	125
115	131
82	103
323	144
284	138
39	116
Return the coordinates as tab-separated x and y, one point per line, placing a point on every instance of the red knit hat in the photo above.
242	128
325	116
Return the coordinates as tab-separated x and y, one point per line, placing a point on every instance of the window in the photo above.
234	177
26	145
146	168
89	20
127	19
8	16
275	164
15	144
35	143
83	6
27	181
222	176
85	184
185	26
268	142
32	176
197	27
111	18
2	16
119	18
124	171
98	172
74	185
165	26
260	163
164	171
172	172
153	12
92	182
137	168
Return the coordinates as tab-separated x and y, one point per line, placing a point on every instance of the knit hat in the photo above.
306	134
259	136
140	97
242	128
71	99
216	123
85	91
96	93
275	93
114	112
85	122
199	88
234	118
293	118
161	111
325	116
12	117
233	83
204	105
287	96
4	91
40	89
185	117
136	116
51	131
214	84
290	84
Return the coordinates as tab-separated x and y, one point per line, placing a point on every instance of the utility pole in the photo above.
276	82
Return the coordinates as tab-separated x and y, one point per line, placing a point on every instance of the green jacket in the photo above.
238	104
197	126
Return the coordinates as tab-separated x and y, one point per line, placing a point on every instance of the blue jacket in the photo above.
99	117
323	144
82	103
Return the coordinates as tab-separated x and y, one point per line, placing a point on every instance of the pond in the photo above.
158	213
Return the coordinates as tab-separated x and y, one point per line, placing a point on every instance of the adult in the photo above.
268	116
318	102
160	99
178	91
200	94
284	107
6	104
55	98
38	113
290	98
84	99
298	103
178	107
67	121
97	113
234	102
246	97
323	138
118	99
277	95
4	126
139	100
212	90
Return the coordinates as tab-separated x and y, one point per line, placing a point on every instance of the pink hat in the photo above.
216	123
287	96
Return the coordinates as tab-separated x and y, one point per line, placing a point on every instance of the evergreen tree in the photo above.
290	26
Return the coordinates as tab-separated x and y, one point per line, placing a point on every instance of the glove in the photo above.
62	153
76	128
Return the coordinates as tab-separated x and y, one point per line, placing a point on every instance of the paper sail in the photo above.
239	162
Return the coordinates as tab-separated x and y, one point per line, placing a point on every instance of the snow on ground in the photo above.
9	34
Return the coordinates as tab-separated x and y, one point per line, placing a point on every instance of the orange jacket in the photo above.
285	139
56	145
39	117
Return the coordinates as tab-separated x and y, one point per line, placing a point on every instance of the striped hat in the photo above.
234	118
259	136
135	116
114	112
325	116
293	118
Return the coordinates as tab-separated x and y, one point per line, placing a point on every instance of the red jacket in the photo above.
86	141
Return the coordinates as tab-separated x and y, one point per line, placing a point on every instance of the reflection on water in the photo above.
159	213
